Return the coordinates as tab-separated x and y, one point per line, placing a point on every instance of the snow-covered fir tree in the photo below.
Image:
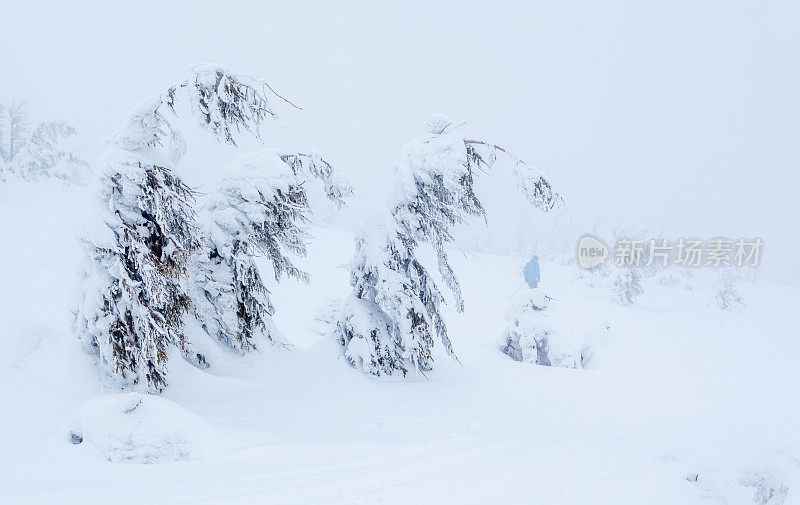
134	298
260	209
627	286
389	324
39	152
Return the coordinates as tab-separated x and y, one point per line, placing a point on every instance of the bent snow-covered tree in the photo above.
389	323
260	209
134	299
39	152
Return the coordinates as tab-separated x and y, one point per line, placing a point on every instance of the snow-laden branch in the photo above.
260	209
533	184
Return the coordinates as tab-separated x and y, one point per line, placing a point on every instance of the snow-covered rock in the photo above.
141	428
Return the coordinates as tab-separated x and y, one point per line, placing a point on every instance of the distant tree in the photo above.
727	296
388	324
39	152
14	129
627	286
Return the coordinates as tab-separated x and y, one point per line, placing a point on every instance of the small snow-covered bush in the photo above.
668	278
727	296
675	277
140	428
533	337
627	286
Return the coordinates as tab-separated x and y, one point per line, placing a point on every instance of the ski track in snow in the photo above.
679	388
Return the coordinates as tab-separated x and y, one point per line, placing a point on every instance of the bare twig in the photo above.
285	158
282	98
489	145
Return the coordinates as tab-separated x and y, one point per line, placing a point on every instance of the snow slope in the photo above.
681	403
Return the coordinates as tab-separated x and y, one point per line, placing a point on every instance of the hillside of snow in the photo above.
680	402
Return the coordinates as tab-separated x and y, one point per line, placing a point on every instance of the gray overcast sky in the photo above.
681	115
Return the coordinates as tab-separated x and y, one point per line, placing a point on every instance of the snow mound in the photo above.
140	428
533	336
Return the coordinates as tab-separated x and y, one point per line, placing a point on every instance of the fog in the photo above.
680	116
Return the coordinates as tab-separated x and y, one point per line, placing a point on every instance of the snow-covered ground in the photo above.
681	403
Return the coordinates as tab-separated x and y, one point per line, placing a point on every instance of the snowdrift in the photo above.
677	404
